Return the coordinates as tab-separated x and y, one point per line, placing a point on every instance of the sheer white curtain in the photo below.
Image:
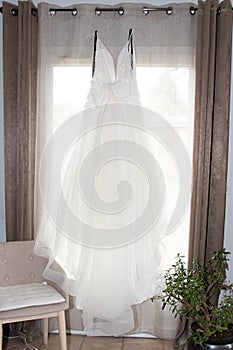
164	48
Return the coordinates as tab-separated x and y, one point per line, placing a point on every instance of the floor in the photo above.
76	342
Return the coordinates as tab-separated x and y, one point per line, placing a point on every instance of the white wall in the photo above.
229	213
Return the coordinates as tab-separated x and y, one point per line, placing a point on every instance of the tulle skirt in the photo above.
103	214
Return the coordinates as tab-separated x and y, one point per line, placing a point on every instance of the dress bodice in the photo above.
109	83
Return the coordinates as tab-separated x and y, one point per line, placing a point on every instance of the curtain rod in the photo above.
14	11
99	10
147	10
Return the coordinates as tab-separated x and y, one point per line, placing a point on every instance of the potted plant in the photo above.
201	295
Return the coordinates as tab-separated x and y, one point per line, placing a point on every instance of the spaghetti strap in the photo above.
94	53
130	45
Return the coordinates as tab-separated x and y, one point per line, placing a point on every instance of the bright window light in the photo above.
165	90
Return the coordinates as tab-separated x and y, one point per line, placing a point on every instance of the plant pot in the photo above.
220	340
223	338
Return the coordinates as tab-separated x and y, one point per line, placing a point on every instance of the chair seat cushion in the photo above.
25	295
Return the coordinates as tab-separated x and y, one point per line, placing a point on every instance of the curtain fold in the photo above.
213	71
20	89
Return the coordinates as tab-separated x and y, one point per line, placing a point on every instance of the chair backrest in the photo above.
19	264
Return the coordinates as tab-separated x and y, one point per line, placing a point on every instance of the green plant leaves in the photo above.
189	293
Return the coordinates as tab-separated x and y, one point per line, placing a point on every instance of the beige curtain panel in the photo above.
20	89
213	72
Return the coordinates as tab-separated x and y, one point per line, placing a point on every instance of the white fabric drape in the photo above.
164	47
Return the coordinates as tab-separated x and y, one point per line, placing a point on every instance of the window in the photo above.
165	90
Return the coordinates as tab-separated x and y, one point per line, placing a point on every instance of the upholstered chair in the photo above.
25	294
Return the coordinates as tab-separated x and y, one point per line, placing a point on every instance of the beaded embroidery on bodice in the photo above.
110	84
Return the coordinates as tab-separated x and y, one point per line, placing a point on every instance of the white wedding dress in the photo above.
110	263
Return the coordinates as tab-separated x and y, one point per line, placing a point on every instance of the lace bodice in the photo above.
113	84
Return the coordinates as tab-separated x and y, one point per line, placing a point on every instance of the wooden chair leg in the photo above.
46	330
1	334
62	329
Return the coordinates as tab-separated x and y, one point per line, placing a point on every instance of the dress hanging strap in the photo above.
94	53
130	45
